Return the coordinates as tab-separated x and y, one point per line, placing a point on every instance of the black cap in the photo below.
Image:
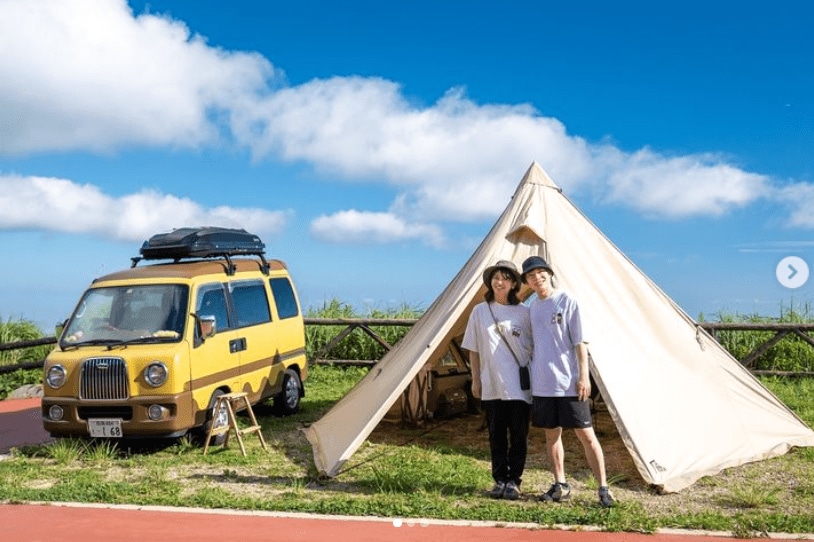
534	262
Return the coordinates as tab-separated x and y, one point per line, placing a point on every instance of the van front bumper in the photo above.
178	416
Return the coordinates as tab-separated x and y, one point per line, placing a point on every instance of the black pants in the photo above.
508	438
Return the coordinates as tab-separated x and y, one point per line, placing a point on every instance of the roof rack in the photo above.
205	242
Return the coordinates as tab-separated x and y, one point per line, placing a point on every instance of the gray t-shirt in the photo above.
556	328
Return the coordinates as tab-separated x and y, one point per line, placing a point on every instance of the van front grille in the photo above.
103	378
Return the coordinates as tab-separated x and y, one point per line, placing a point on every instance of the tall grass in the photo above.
357	345
792	353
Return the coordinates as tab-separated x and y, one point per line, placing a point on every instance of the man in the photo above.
560	381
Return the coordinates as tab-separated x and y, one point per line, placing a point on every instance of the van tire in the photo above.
287	402
202	431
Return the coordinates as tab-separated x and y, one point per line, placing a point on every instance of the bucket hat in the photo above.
534	262
502	264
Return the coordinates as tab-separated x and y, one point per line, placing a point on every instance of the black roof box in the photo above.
207	242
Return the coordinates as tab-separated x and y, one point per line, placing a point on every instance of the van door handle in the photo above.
237	345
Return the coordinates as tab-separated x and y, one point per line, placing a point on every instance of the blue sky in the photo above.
372	145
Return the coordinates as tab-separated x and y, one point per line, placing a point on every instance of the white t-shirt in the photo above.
499	372
556	328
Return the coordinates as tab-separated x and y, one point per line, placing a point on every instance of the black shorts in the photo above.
565	412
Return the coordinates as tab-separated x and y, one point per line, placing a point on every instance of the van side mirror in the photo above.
207	325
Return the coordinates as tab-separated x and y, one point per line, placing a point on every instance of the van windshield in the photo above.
123	313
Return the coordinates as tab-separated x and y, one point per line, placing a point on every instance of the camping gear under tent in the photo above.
684	407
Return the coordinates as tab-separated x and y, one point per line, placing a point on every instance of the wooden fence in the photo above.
350	325
781	330
365	325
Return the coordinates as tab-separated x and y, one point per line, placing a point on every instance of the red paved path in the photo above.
20	424
49	523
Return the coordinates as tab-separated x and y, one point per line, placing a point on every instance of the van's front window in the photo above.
125	313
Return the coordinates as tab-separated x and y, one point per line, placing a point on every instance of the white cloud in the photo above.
89	75
799	197
61	205
683	186
359	227
460	161
454	158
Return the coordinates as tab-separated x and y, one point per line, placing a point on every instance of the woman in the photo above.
498	338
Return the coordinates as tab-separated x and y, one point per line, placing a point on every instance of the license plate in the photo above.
105	427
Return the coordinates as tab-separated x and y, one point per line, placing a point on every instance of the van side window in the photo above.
284	298
251	302
212	302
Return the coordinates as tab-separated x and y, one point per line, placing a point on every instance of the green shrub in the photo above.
16	379
21	330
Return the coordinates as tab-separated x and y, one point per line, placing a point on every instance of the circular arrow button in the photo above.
792	272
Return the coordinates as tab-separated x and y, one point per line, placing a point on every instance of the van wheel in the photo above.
219	418
287	402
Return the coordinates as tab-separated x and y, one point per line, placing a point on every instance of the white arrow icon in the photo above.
792	272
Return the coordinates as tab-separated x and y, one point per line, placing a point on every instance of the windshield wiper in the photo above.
110	343
149	339
113	343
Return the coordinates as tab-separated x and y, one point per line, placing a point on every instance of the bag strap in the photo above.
500	332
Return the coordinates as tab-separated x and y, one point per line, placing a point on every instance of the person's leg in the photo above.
596	459
545	414
496	419
556	454
593	453
518	445
560	490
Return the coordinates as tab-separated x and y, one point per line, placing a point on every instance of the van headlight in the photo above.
156	374
56	376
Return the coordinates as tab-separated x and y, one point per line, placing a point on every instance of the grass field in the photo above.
438	471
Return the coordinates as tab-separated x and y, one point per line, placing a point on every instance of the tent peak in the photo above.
536	175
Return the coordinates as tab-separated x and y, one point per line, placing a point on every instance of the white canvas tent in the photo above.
684	407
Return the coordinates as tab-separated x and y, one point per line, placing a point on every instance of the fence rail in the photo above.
781	330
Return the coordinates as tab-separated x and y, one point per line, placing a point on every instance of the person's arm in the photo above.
584	380
474	365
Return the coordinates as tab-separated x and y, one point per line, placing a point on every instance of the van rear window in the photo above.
284	297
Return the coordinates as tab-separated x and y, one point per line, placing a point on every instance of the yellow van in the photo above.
148	349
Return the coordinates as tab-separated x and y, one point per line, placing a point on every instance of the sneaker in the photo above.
605	497
512	492
497	490
559	491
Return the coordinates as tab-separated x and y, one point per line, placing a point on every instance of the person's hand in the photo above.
476	389
583	389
